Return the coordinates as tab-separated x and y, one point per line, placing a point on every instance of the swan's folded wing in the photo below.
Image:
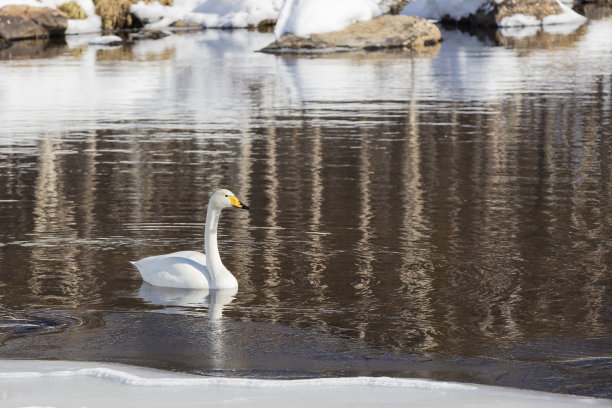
193	255
176	270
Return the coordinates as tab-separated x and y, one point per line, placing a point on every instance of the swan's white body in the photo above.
191	269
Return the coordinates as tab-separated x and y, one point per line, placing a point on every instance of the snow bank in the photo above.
92	24
300	17
568	16
209	13
77	384
436	9
237	13
305	17
160	16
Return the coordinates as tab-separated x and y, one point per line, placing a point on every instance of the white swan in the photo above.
190	269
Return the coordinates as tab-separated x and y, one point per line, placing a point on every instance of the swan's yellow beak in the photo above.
236	203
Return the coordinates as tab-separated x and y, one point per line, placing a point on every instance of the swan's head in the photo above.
224	198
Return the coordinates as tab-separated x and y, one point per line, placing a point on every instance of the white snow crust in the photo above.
77	384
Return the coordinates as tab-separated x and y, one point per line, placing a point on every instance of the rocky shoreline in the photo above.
25	22
390	31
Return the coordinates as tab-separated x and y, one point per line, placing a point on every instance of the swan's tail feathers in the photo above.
138	265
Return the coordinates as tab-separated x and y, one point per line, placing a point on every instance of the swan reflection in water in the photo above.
191	301
180	300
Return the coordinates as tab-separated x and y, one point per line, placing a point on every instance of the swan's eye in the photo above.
226	195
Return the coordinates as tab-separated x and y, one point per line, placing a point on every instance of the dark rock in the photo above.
18	28
23	22
136	23
386	32
4	43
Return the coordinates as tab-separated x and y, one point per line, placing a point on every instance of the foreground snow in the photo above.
77	384
436	9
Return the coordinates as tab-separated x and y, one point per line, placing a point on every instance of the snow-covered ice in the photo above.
436	9
77	384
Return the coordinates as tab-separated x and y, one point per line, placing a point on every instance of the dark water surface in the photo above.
445	216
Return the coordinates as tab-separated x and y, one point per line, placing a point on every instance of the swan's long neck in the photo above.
219	275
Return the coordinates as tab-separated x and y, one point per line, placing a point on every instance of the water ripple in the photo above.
21	323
